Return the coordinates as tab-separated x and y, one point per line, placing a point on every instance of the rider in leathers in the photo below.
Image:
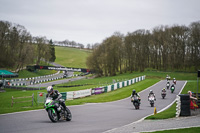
135	93
152	94
56	96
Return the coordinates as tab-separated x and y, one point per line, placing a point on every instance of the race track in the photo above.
89	118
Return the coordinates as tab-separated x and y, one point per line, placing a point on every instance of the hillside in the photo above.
71	57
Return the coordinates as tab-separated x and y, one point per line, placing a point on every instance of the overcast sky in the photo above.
91	21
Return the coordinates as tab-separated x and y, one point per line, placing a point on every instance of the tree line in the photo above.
68	43
18	48
174	48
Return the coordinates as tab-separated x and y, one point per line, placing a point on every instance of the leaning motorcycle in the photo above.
151	101
56	111
136	102
172	89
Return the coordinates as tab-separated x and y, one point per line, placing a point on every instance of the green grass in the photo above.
184	130
191	86
71	57
169	113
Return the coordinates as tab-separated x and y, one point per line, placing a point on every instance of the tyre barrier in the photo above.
185	105
178	106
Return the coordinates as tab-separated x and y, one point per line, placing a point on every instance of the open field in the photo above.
71	57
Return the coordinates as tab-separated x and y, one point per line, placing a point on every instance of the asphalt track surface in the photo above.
89	118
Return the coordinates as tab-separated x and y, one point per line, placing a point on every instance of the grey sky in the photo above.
91	21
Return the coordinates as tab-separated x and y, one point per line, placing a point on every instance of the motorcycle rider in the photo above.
168	85
168	77
173	86
56	96
151	94
163	90
134	93
174	80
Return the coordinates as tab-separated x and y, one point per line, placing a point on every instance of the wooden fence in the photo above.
32	99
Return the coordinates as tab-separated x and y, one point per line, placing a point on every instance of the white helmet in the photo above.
49	89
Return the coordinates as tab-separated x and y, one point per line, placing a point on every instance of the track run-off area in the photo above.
90	118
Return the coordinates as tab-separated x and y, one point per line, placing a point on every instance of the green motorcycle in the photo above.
56	111
172	89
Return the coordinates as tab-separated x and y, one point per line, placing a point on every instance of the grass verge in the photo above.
184	130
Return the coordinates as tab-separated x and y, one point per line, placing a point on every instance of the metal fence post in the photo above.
32	98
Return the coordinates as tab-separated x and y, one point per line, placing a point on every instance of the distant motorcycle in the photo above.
136	102
56	111
174	81
151	100
168	85
172	88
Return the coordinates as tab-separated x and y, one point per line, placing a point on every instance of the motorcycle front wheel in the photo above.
69	115
53	116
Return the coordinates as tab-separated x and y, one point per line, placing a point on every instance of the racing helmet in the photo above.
163	88
133	92
151	91
50	89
